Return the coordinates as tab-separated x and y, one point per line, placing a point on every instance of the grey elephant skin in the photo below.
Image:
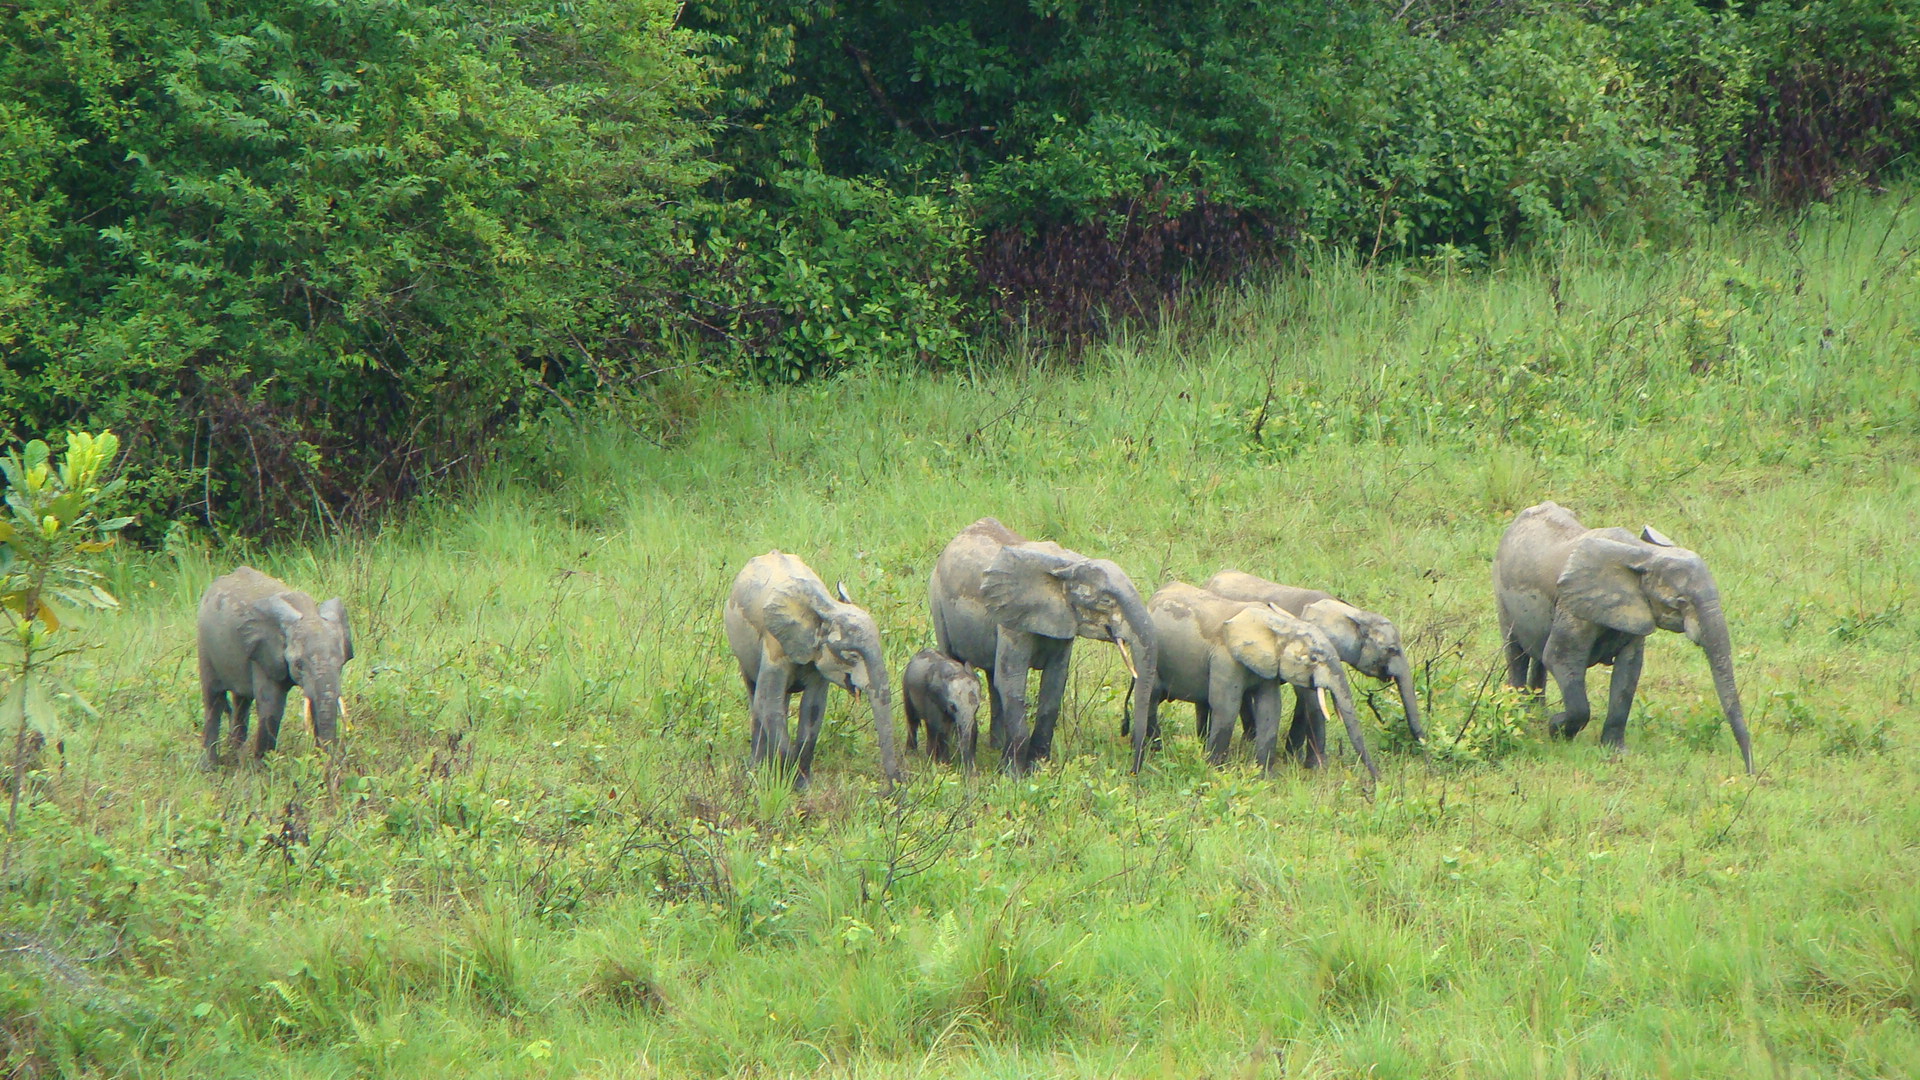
258	638
789	637
1367	642
1229	656
945	694
1007	605
1571	597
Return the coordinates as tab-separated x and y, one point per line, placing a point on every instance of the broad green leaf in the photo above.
35	455
6	531
67	507
41	715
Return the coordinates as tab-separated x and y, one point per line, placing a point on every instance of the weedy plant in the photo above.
51	526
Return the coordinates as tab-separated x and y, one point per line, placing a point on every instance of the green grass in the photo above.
540	855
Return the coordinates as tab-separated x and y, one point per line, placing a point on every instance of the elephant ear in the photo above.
267	627
1601	584
1338	622
335	612
1251	641
1025	589
793	618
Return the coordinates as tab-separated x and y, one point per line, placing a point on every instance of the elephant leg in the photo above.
813	710
753	724
1517	662
913	726
1316	729
1010	668
213	705
1202	720
237	733
1299	731
1046	711
943	732
1248	725
1224	688
1568	647
1626	679
273	704
770	713
1262	705
996	727
1537	676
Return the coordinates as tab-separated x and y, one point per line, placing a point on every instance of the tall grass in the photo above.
539	854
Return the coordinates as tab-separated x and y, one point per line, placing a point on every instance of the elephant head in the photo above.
1274	645
1635	585
839	640
314	647
1044	589
1371	644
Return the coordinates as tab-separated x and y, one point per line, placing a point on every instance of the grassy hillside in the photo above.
539	855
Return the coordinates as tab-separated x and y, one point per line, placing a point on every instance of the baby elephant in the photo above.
946	694
257	639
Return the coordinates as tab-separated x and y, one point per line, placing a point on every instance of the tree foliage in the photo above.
306	254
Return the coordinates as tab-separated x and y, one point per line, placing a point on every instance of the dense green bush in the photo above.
305	253
826	273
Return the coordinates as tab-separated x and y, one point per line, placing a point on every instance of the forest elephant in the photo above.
790	637
1007	605
258	639
1366	642
944	693
1229	656
1571	597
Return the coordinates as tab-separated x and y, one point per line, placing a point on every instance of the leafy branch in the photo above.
49	525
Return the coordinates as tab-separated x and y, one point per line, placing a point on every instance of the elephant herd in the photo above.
1568	598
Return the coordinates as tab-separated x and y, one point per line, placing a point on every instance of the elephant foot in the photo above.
1562	726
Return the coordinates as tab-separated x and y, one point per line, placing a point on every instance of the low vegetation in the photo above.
537	853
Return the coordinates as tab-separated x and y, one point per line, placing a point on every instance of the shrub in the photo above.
830	273
305	256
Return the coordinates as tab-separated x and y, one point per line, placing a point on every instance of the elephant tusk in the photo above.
1320	696
1126	655
344	726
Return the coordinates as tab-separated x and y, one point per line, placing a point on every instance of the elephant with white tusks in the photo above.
1571	597
1007	605
790	637
1366	642
258	638
1232	656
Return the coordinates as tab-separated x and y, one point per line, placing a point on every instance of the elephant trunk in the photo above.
1334	680
1144	651
1717	643
323	708
881	695
1402	675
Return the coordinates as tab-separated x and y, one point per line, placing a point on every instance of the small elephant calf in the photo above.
258	639
945	694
